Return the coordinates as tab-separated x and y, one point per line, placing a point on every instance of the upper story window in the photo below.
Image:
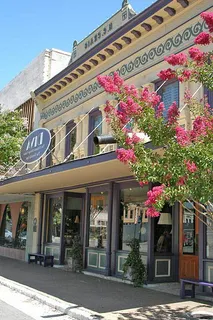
50	151
94	121
209	95
70	140
169	92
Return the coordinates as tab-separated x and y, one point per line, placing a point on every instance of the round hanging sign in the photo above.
35	145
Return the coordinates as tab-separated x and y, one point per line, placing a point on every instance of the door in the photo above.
188	240
72	230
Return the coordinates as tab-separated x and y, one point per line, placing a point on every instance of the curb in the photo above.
73	310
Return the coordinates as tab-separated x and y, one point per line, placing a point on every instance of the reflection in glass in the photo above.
72	219
163	231
21	230
133	220
209	239
55	213
96	120
6	227
98	220
188	229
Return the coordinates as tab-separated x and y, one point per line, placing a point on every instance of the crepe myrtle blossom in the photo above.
203	38
191	166
208	18
126	156
177	59
178	159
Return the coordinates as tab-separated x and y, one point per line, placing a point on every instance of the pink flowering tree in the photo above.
179	165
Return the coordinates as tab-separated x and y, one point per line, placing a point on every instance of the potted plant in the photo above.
133	268
75	258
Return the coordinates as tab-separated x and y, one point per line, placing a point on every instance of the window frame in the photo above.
91	145
70	126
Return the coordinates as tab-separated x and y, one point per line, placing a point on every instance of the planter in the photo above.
71	263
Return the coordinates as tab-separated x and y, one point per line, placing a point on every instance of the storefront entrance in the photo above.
63	221
188	243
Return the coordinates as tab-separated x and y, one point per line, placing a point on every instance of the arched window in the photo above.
6	227
21	230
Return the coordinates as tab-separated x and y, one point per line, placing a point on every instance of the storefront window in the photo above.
163	231
98	220
21	230
209	239
189	241
55	213
133	220
6	228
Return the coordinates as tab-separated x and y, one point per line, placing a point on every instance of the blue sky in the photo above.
30	26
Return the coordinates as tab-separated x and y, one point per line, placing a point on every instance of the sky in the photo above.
27	27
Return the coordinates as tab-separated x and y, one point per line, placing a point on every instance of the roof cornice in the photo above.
87	61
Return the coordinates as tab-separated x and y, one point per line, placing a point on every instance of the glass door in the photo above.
54	226
72	222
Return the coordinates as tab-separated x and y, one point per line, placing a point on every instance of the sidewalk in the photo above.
111	300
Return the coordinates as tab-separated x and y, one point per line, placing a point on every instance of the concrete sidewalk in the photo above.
107	299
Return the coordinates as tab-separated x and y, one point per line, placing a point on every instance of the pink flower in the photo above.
181	181
167	74
150	97
118	81
173	113
126	156
108	107
182	136
131	90
196	55
122	117
154	195
132	140
177	59
208	18
159	110
186	74
143	183
111	84
152	212
203	38
199	127
191	166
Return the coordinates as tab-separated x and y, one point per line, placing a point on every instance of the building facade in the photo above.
82	189
17	210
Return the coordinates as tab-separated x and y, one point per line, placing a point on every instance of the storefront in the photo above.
107	216
81	189
16	229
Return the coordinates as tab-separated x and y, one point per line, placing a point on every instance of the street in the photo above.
16	306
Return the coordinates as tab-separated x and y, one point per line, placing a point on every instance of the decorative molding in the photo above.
136	33
140	62
94	254
117	45
146	26
119	263
158	19
99	260
183	3
156	268
170	11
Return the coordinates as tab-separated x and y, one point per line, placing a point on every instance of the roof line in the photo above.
107	41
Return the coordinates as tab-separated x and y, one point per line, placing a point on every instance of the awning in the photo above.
73	174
